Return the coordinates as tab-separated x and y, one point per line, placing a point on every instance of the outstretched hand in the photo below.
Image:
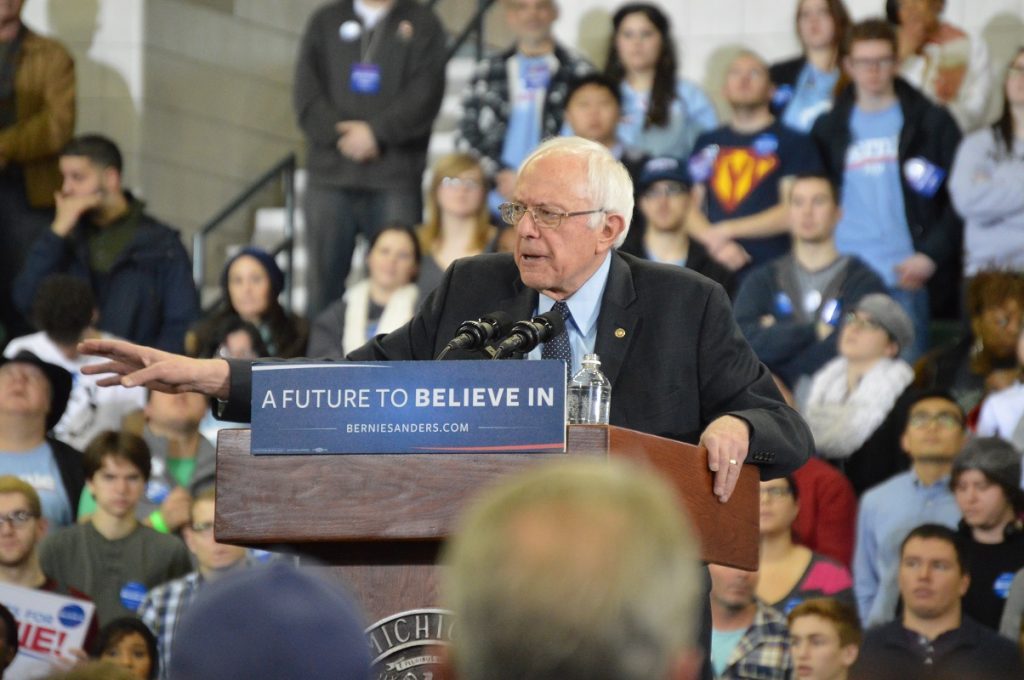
135	365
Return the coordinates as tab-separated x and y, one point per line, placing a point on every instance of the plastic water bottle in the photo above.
590	394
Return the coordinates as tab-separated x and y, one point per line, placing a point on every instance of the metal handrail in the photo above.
475	26
283	169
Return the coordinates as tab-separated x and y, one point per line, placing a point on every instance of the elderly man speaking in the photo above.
678	364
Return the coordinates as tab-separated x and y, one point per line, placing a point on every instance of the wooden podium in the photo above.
378	521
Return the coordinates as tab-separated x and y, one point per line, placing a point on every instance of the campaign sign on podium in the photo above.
408	407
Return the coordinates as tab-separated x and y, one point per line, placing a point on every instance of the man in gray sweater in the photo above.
369	79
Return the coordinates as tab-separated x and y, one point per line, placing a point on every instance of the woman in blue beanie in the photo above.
252	281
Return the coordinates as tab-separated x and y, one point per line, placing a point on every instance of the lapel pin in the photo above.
620	332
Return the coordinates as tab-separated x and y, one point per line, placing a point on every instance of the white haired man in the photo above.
678	364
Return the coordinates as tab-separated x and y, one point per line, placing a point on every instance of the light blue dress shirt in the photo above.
888	512
584	306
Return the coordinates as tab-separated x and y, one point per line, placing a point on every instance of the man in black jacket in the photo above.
369	79
678	365
934	639
890	149
137	267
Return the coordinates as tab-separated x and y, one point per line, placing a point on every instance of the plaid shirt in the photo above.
486	108
763	652
162	609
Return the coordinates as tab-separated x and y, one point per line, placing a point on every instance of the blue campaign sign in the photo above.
408	407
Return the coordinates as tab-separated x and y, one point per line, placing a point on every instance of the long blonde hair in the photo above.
453	165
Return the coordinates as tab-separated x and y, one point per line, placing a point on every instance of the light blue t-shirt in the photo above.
524	124
812	97
690	113
874	224
523	131
39	468
723	643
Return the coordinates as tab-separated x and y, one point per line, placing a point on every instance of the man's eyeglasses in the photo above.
944	420
511	213
17	519
460	183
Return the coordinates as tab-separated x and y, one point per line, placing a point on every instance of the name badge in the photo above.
365	78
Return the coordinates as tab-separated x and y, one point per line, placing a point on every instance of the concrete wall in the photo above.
198	92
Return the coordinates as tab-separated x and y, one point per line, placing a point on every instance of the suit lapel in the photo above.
617	322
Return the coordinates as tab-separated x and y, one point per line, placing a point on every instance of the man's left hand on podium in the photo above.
727	439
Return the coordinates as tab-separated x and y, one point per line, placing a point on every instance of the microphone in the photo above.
526	335
476	333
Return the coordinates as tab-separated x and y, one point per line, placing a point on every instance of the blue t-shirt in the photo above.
874	223
522	134
39	468
742	172
811	97
723	643
524	125
690	114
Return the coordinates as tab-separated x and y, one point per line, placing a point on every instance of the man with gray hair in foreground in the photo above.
580	570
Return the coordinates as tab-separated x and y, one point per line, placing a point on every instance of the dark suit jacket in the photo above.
666	338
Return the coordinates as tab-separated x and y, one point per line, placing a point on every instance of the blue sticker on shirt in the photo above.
783	305
702	163
365	78
790	604
156	491
831	311
923	176
783	96
766	144
1002	585
71	615
132	594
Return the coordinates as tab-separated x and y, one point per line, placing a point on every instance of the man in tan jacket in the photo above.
37	118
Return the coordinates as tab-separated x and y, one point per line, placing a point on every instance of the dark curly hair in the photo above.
664	89
63	308
117	630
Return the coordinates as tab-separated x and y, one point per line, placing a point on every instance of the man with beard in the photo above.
140	273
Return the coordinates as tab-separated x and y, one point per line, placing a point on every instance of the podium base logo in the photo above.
405	645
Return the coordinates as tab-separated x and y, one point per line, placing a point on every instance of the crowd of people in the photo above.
856	203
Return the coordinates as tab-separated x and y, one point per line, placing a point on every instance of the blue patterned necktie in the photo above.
558	347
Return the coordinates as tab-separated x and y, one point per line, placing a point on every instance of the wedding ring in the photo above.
732	461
